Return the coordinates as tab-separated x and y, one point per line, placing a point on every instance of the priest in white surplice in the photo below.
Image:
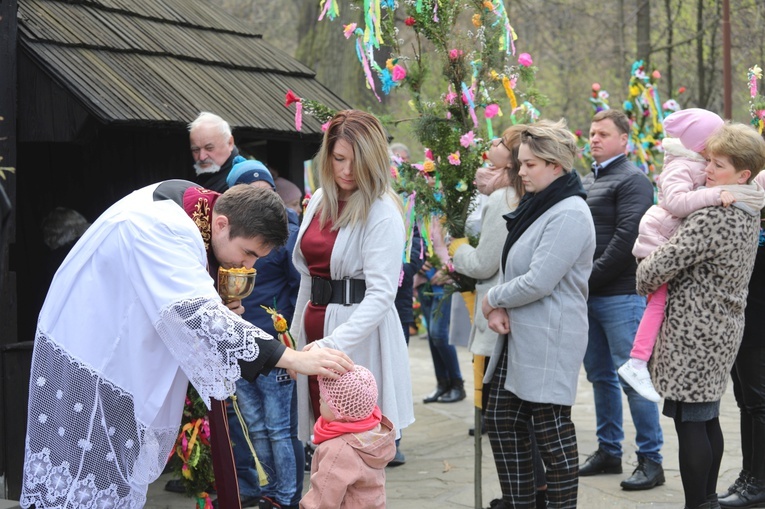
131	317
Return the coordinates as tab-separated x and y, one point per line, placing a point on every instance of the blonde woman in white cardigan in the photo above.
349	254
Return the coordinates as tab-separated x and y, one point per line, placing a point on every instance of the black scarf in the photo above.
533	205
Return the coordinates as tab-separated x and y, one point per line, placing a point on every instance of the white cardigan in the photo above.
369	332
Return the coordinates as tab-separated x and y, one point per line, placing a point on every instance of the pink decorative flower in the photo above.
399	73
467	139
656	75
578	133
290	98
595	87
454	54
348	30
410	21
429	154
491	111
450	97
325	125
454	158
525	60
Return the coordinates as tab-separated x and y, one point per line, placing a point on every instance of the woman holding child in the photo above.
706	264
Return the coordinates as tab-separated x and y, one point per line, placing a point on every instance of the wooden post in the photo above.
8	322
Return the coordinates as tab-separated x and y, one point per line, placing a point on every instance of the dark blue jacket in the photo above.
406	290
276	279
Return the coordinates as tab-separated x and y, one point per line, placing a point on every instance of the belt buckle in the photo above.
321	291
347	300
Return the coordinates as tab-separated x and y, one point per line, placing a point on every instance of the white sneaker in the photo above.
640	380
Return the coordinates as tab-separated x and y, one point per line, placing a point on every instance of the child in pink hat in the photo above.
355	443
679	196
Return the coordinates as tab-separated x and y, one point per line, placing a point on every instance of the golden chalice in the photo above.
235	284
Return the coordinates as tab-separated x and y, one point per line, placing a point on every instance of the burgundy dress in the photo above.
317	245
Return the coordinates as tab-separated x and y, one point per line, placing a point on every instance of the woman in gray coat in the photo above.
539	308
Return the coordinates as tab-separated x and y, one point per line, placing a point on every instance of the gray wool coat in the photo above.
544	288
482	263
707	264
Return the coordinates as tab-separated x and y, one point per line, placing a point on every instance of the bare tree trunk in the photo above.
622	67
670	34
644	31
700	70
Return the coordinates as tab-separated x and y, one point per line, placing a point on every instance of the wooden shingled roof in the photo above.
150	62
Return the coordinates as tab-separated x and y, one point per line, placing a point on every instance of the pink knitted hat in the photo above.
353	396
692	127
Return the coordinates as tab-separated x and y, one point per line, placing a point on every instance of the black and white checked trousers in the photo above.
507	418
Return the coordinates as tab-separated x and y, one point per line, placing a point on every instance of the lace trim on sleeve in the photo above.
208	340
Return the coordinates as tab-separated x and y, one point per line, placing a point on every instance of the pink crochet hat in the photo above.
692	127
353	396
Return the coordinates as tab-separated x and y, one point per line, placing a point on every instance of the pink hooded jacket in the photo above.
348	471
683	173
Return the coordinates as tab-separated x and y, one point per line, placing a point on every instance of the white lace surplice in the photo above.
131	317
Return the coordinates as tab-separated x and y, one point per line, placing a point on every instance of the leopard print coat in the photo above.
707	264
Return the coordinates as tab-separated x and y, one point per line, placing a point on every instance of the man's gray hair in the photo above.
207	118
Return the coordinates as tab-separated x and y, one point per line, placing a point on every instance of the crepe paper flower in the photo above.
467	139
596	87
389	64
491	110
450	97
578	133
325	125
681	90
387	81
477	20
656	75
348	30
438	196
399	73
454	54
670	105
410	21
525	60
281	327
461	186
627	106
488	5
290	98
454	158
428	166
429	154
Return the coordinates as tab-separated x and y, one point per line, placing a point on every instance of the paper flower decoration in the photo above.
467	139
290	98
461	186
281	327
525	60
410	21
454	158
454	54
491	111
348	30
399	73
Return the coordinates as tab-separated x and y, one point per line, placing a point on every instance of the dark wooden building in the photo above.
96	98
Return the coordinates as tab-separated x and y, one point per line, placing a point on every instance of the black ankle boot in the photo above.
713	501
441	389
752	495
737	485
456	392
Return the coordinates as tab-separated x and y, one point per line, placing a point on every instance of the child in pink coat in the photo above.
355	443
679	196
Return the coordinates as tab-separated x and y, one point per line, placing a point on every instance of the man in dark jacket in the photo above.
213	150
618	195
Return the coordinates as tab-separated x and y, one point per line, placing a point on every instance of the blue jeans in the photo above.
269	408
437	311
613	323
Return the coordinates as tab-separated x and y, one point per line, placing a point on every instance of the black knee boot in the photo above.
456	392
441	389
